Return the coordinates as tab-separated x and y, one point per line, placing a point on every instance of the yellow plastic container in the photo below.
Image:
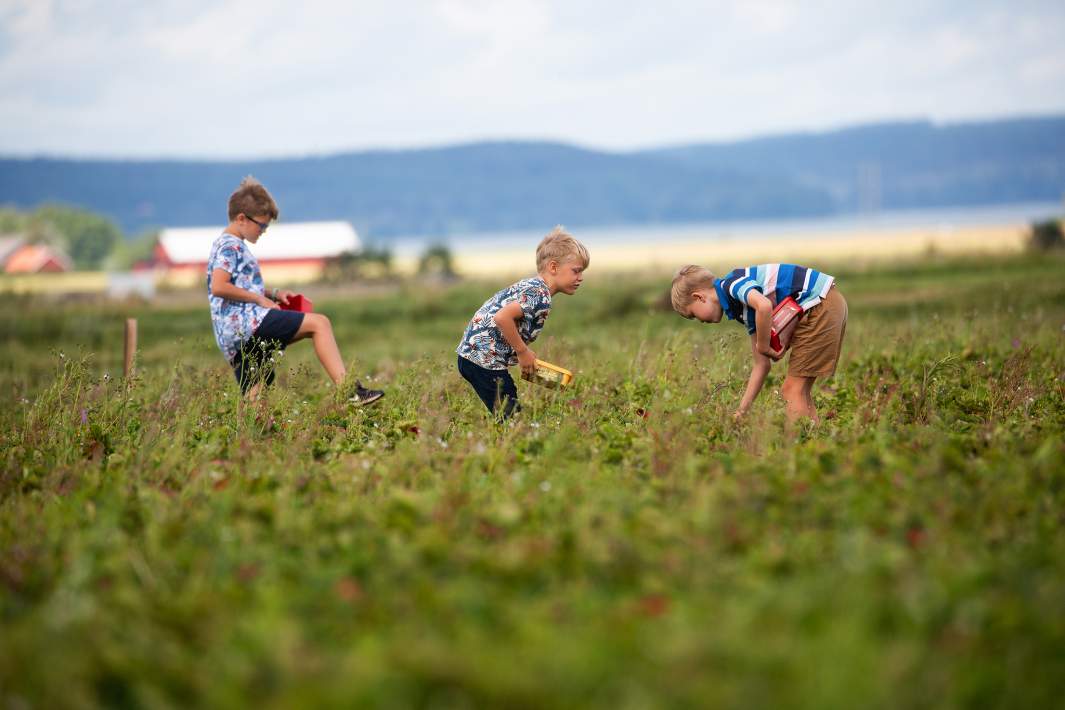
550	375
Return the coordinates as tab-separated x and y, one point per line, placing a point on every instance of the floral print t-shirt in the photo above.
234	321
483	343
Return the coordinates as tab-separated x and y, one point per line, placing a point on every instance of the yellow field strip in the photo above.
719	252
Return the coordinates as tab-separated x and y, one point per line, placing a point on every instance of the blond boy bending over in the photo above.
250	327
498	335
749	296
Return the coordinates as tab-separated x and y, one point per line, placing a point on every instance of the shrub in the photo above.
436	261
1046	235
369	263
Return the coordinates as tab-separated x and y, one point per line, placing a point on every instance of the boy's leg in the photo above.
797	393
492	386
480	379
318	328
507	394
808	394
253	368
815	352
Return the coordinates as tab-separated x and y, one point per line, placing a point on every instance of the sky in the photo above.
258	78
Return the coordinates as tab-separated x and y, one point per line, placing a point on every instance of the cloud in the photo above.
266	78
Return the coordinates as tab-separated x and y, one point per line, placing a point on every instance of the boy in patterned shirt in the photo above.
499	333
250	327
749	296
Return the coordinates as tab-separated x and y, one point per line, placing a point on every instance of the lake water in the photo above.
883	221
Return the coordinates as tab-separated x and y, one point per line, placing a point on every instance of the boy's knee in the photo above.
791	388
318	322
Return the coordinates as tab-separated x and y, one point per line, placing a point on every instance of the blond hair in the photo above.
559	245
689	279
251	199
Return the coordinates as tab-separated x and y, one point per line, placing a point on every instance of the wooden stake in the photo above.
131	346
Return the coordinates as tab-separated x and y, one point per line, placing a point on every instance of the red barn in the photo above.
19	257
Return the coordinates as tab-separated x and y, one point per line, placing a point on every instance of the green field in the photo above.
620	544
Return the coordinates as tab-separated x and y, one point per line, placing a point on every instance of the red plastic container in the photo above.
785	319
299	302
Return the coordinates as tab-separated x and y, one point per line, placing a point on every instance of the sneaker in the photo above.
364	397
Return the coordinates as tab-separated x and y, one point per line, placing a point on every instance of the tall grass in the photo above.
622	543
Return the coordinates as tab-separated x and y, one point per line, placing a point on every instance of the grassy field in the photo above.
620	544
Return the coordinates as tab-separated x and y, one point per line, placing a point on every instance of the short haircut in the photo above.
688	280
251	199
559	245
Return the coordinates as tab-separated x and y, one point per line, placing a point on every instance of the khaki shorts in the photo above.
818	338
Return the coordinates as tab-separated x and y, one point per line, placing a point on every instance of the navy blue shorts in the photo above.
494	387
255	363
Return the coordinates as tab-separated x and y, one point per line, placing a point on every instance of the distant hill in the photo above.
480	186
905	165
519	185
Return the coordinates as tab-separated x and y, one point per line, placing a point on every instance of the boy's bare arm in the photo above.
222	286
506	318
763	323
759	371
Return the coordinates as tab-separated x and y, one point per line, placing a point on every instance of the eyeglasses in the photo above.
261	225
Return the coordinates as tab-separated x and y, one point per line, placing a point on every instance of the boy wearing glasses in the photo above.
249	326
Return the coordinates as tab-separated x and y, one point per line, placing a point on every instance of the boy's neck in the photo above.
233	230
546	278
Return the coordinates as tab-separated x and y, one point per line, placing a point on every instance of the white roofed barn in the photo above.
287	253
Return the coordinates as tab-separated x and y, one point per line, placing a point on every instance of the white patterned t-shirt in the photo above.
483	343
234	321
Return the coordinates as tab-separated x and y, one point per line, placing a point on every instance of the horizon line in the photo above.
527	140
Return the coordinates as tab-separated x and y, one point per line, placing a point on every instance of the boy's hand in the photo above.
283	296
527	361
266	302
772	354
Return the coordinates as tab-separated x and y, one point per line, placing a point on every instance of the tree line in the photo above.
91	240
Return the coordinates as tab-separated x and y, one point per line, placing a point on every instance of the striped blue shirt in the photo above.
774	281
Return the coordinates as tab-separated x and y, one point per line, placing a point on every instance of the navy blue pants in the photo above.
494	387
254	362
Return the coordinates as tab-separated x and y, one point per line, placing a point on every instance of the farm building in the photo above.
287	253
17	256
